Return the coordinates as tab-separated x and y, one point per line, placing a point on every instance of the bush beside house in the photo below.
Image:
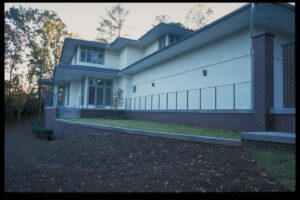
40	132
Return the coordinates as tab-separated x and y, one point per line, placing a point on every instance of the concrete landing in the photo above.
276	137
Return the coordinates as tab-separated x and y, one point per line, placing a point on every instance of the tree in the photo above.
117	99
112	24
42	32
161	19
13	55
18	95
166	19
177	24
197	16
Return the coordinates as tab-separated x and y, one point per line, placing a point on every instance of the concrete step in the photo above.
69	113
276	137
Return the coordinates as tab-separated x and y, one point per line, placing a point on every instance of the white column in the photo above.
86	92
55	95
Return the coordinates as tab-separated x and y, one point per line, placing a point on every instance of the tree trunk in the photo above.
9	113
19	113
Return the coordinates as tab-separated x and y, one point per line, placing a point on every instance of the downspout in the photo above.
251	54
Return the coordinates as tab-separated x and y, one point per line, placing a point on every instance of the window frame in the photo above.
104	87
95	55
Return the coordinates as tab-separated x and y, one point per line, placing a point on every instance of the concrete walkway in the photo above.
276	137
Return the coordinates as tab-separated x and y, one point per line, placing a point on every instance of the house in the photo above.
236	73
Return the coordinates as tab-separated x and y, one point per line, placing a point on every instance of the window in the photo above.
91	95
100	92
99	96
61	94
134	89
162	42
92	55
82	55
173	38
107	96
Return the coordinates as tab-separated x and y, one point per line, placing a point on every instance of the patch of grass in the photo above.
162	127
279	164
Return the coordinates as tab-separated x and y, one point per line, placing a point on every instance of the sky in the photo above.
83	18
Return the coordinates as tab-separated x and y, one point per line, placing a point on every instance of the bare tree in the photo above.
117	99
198	16
161	18
112	24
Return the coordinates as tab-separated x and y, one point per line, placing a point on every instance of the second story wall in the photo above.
129	55
150	48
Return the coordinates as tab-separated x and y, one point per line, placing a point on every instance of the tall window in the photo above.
162	42
100	92
61	95
92	55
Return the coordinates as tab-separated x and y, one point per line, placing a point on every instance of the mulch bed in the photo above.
116	162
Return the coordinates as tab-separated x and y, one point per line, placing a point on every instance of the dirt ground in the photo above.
116	162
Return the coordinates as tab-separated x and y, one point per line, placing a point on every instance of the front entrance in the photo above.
100	92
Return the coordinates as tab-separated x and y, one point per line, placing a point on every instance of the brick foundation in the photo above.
233	121
282	122
90	113
50	114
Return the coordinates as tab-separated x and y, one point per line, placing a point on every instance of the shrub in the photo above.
48	134
40	132
37	131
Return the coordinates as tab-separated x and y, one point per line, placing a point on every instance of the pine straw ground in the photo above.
116	162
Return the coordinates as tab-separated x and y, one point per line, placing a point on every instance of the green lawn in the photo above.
279	164
163	127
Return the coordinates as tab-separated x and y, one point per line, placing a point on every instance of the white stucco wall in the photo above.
151	48
129	55
219	58
75	91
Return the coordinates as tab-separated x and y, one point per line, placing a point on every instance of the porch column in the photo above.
263	81
288	56
55	95
86	92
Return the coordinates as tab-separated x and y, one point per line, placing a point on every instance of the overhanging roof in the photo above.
160	30
65	73
121	42
230	23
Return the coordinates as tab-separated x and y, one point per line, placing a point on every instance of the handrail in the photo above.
163	98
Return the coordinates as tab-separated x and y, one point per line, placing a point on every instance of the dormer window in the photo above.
162	42
92	55
173	38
